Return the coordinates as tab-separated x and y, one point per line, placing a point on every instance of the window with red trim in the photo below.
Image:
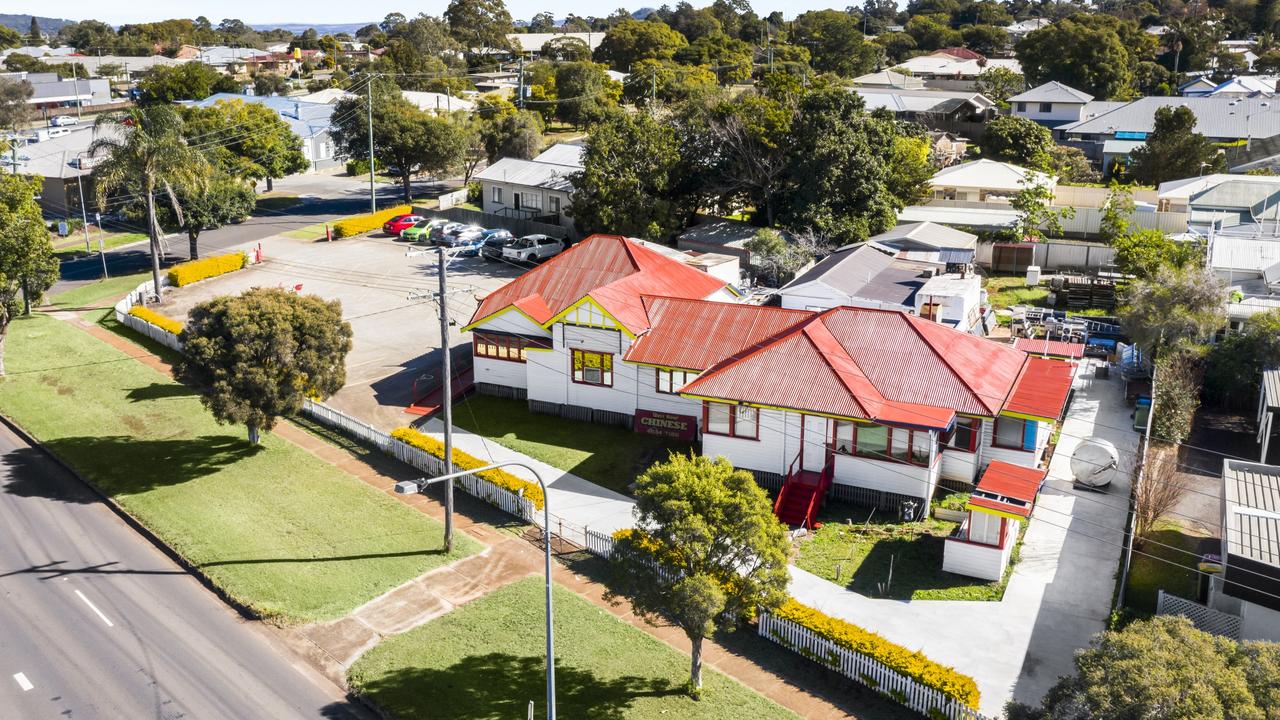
881	442
1013	433
500	347
669	382
593	368
963	435
740	421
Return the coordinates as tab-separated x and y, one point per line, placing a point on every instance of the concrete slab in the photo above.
406	607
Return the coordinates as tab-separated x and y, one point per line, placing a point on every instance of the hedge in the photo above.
164	322
897	658
361	224
464	461
205	268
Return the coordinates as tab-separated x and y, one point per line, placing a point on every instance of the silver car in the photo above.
532	248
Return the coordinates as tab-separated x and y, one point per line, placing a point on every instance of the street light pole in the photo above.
446	397
373	202
546	555
84	215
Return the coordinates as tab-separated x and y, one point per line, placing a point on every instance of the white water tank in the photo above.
1033	275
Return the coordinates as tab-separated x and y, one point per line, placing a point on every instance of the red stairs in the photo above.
802	494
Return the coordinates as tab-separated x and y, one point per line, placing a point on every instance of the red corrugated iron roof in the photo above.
612	270
696	334
1008	488
1041	389
1052	348
883	365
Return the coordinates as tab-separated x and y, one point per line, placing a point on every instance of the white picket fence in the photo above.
598	544
478	487
872	673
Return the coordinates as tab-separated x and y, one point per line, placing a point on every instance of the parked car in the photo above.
532	248
462	236
437	234
421	230
494	242
400	223
63	120
471	248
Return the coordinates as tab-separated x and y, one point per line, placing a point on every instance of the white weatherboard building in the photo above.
538	188
1051	104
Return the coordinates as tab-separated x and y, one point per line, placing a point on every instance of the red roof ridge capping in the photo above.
991	402
696	334
860	388
1041	389
1007	489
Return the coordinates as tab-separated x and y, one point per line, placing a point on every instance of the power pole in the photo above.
84	215
447	401
520	86
373	200
75	83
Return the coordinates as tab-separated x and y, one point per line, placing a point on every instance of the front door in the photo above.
813	442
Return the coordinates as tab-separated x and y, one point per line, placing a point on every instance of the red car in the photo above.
397	224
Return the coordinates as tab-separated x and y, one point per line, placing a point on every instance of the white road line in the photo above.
23	682
95	609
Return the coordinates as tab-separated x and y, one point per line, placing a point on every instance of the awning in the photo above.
1007	489
1051	348
1041	390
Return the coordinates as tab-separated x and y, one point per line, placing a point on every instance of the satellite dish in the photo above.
1094	463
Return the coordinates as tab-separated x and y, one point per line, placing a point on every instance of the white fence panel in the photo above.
599	544
1202	616
866	670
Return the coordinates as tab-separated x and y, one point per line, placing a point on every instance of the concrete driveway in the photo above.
397	330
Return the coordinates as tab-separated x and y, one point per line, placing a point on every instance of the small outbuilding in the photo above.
1004	496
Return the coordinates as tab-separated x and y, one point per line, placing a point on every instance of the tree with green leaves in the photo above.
1117	212
835	42
412	141
517	135
1000	84
625	185
585	93
1176	394
1165	668
144	154
218	200
1142	252
706	553
479	24
28	266
1037	217
731	58
246	140
1084	54
34	35
1172	307
1175	150
631	41
987	40
266	84
1010	138
9	37
1071	165
1233	369
14	108
256	356
188	81
774	259
111	71
667	83
565	49
930	34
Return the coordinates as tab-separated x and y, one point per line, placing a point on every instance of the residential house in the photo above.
1003	498
537	189
433	101
963	113
1249	584
501	82
63	164
985	180
866	276
1051	104
889	79
311	122
953	68
43	52
1243	86
530	44
1221	200
721	235
925	242
50	92
1023	28
134	67
1197	87
946	148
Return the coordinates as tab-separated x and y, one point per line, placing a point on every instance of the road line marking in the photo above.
23	682
95	609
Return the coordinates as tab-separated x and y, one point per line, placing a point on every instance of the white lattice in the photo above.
1202	616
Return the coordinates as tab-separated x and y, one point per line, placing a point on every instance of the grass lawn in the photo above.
276	203
310	232
604	454
276	528
1174	571
98	293
485	660
72	246
1004	291
859	557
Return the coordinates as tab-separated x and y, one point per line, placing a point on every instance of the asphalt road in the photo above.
326	198
95	622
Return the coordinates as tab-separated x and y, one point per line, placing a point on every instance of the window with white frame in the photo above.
740	421
671	381
497	194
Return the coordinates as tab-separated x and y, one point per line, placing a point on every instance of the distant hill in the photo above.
643	13
329	29
22	23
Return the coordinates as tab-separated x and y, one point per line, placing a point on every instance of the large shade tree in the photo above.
1174	306
1174	150
144	154
246	140
706	554
625	186
256	356
28	266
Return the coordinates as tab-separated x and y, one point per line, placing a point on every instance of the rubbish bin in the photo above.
1033	275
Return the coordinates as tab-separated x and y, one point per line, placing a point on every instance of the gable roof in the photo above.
612	270
987	174
1007	489
696	334
926	233
1053	91
551	169
865	272
1217	117
875	364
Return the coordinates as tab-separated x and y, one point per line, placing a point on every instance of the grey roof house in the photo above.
1051	104
309	121
1249	584
533	189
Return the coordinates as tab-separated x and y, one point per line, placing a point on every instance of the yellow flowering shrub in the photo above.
164	322
205	268
361	224
911	664
463	461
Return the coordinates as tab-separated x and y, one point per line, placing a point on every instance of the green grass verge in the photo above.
485	660
1003	291
279	530
310	232
604	454
276	203
859	556
72	247
1167	562
98	293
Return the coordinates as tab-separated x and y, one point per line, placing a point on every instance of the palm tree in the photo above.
145	154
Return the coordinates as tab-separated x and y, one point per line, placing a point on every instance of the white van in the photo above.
63	121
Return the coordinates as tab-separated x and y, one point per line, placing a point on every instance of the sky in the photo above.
337	11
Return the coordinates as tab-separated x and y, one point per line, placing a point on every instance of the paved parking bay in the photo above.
384	297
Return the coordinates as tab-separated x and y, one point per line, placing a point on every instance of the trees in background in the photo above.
1000	84
631	41
479	24
628	172
1233	368
256	356
1094	53
14	109
774	259
1172	307
218	200
1175	397
1036	215
707	551
188	81
835	42
28	266
246	140
1174	150
1017	140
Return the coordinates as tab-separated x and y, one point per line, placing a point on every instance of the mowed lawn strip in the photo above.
281	531
98	292
485	660
603	454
